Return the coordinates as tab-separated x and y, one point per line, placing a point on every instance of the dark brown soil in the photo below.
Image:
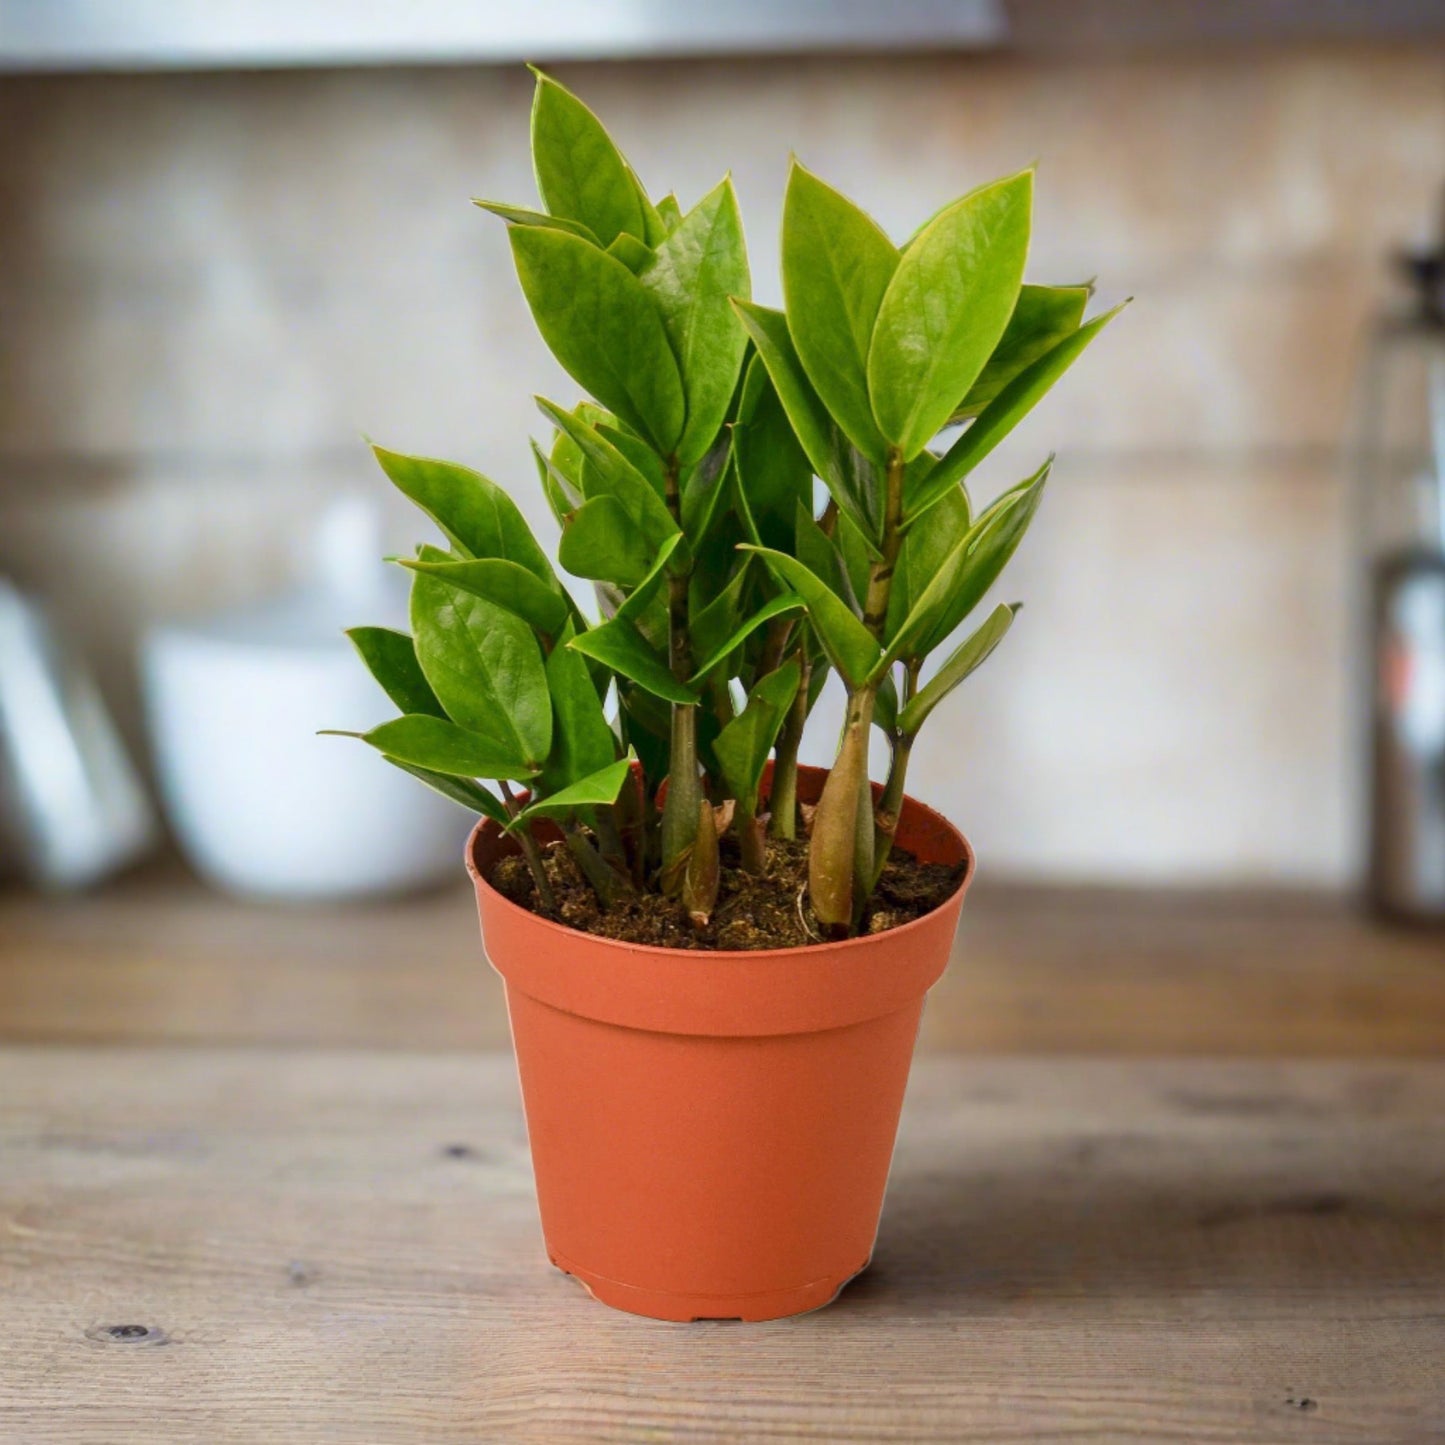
770	911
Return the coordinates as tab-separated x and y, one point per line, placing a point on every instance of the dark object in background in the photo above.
1403	476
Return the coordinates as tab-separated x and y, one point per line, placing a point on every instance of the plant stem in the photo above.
783	801
530	852
751	842
608	884
684	788
840	857
890	805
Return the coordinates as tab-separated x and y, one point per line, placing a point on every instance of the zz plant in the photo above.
684	486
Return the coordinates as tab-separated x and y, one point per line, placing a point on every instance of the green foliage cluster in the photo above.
684	486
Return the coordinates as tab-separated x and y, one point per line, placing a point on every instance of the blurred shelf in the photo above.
157	958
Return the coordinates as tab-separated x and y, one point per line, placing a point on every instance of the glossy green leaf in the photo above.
484	664
1002	414
706	488
837	264
1042	317
924	551
391	660
521	216
602	542
605	329
774	475
562	497
581	175
849	477
606	471
633	254
819	553
970	655
472	796
441	746
635	605
946	309
476	515
775	607
885	706
695	271
969	570
851	648
644	460
504	583
619	645
582	740
743	745
594	791
669	212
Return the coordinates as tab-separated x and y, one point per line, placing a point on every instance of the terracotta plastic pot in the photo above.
711	1131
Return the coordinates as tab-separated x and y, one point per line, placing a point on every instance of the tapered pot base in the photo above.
685	1308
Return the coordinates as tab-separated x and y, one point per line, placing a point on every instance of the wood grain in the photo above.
1035	969
343	1247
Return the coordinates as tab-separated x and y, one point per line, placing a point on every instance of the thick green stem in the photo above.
751	843
684	787
832	851
841	854
890	805
608	884
530	852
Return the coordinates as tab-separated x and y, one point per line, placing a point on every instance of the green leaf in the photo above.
555	486
776	607
885	706
635	604
582	740
440	746
851	648
521	216
946	309
817	551
1002	414
923	554
670	213
704	488
969	570
774	474
477	516
602	543
604	327
1043	317
391	659
619	645
850	478
581	175
609	472
696	270
472	796
484	664
594	791
504	583
633	254
644	460
743	745
970	655
837	264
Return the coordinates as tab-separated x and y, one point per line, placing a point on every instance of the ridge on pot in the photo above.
711	1132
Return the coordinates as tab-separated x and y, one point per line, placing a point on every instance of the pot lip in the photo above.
894	936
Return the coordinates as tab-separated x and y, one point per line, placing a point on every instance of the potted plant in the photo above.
715	958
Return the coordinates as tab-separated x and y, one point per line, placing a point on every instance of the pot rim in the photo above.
738	955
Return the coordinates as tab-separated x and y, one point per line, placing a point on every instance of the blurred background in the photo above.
236	237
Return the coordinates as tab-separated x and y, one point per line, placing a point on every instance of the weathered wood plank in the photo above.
343	1247
1035	970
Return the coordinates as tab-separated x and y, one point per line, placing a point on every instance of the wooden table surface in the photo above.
225	1245
158	958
